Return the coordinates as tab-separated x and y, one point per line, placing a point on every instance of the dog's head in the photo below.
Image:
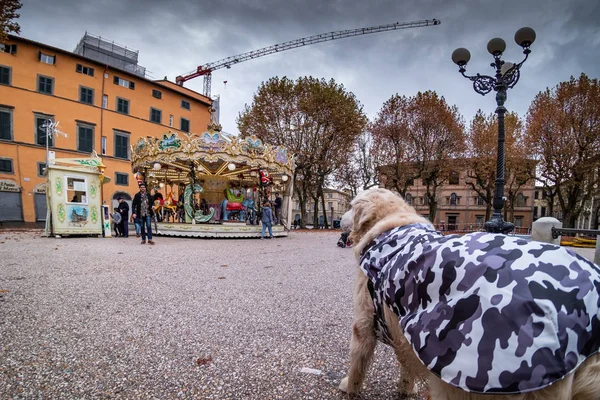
375	211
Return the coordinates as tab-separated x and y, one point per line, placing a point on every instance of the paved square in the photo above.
186	318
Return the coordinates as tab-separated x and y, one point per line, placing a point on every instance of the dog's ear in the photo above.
365	211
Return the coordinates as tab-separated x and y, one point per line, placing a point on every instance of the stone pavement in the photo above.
184	319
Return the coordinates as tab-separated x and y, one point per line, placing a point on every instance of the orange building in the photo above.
102	101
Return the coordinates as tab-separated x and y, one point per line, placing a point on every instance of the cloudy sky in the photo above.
174	37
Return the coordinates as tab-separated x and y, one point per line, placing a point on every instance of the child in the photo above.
116	217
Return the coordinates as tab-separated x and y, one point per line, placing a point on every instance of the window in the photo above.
480	201
121	178
453	179
4	75
329	195
520	200
518	222
82	69
535	212
104	101
171	120
185	104
410	182
122	105
155	115
479	220
85	138
41	166
122	145
45	84
103	145
8	48
86	95
330	205
156	93
47	58
425	200
123	82
408	198
41	133
453	199
6	165
543	214
185	125
536	195
76	190
5	124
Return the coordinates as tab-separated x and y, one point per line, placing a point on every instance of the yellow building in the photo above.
102	101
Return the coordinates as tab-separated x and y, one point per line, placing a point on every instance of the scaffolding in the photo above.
110	53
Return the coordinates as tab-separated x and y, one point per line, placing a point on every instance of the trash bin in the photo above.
336	224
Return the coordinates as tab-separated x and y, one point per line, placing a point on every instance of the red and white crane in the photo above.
207	69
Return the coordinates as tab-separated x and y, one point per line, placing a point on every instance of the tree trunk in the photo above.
316	212
326	224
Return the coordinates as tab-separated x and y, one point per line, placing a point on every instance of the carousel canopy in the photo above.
173	157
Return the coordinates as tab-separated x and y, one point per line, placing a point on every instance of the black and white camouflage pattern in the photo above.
485	312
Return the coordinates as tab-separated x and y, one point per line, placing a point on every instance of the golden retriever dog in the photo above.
482	316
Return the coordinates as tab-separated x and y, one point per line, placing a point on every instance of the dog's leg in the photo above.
362	344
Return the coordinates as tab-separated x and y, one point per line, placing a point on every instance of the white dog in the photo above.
475	315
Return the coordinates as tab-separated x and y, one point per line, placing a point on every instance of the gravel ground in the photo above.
185	319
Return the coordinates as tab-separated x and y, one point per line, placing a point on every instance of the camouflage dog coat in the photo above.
485	312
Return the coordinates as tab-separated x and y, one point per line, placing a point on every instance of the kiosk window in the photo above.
76	190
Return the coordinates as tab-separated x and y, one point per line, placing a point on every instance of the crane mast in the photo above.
207	69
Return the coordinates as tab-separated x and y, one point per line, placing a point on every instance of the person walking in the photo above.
142	209
278	204
267	220
124	211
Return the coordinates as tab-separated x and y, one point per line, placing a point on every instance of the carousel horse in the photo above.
248	204
233	204
168	206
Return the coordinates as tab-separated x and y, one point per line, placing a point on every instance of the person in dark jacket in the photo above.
142	209
124	211
267	220
278	203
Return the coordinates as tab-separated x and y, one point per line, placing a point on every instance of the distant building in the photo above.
460	207
337	202
104	103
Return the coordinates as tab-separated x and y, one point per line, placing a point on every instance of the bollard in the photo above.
541	230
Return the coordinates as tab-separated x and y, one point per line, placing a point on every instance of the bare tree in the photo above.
563	127
318	120
8	15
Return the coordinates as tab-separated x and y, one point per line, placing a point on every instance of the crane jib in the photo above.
206	69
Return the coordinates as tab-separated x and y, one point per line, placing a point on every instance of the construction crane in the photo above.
207	69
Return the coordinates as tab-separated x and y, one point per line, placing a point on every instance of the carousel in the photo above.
213	184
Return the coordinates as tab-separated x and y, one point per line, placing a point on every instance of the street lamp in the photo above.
507	76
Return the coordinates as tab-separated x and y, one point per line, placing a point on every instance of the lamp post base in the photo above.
497	224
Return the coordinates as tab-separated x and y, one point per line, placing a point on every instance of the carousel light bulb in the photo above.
161	185
157	166
284	178
231	166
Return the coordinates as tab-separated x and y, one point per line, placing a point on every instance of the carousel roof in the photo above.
211	154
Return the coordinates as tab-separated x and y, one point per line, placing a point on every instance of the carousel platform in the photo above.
225	230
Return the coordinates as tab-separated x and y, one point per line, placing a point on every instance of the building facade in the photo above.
461	208
99	107
337	202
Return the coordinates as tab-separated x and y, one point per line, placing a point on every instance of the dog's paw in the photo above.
344	385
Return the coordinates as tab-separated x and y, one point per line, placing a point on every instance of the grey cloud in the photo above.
174	37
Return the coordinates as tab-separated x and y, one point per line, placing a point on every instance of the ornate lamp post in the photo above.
507	76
